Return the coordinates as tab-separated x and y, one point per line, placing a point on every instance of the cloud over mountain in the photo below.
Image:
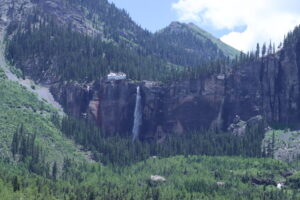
264	20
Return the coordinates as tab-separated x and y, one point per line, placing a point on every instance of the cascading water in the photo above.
219	118
137	115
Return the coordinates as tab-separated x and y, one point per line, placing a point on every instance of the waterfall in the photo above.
219	118
137	115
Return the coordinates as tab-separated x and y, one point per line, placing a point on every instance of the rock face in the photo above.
177	108
157	178
64	13
240	127
267	88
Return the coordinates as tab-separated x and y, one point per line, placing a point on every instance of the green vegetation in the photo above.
2	74
226	49
282	144
65	54
39	150
43	164
188	45
190	177
17	107
121	151
69	55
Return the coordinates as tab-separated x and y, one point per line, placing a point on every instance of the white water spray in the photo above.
137	115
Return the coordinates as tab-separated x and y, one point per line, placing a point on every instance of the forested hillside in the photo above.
63	54
206	113
43	43
29	130
190	177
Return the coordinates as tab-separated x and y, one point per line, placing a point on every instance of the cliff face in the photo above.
268	87
62	12
175	108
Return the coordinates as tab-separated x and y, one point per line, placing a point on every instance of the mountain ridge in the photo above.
205	35
100	19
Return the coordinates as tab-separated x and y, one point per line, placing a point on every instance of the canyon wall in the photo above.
268	87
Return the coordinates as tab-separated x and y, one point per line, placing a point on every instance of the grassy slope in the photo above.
226	49
17	106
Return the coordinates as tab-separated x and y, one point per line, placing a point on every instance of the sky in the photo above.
239	23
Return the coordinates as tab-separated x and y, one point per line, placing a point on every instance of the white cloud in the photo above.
265	19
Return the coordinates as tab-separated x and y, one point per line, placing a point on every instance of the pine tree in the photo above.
257	52
54	171
16	184
15	143
264	50
273	145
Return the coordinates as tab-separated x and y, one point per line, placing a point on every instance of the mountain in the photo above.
84	40
208	120
189	45
197	86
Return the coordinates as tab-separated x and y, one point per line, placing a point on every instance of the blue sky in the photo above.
150	14
157	14
241	24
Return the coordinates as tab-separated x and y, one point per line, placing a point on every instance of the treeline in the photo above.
292	38
120	150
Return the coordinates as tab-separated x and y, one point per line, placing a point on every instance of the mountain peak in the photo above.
192	37
176	24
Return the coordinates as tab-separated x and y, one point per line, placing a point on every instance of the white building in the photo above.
116	76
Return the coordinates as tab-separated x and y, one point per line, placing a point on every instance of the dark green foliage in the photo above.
2	74
64	54
187	178
73	56
25	149
117	23
292	38
16	184
54	171
188	45
117	150
294	180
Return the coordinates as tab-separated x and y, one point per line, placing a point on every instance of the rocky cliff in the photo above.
268	87
166	108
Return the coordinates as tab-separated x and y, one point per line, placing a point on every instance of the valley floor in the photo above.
179	177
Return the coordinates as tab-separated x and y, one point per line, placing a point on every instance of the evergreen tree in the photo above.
257	52
16	184
54	171
264	50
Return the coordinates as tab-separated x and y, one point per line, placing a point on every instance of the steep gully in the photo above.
42	91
